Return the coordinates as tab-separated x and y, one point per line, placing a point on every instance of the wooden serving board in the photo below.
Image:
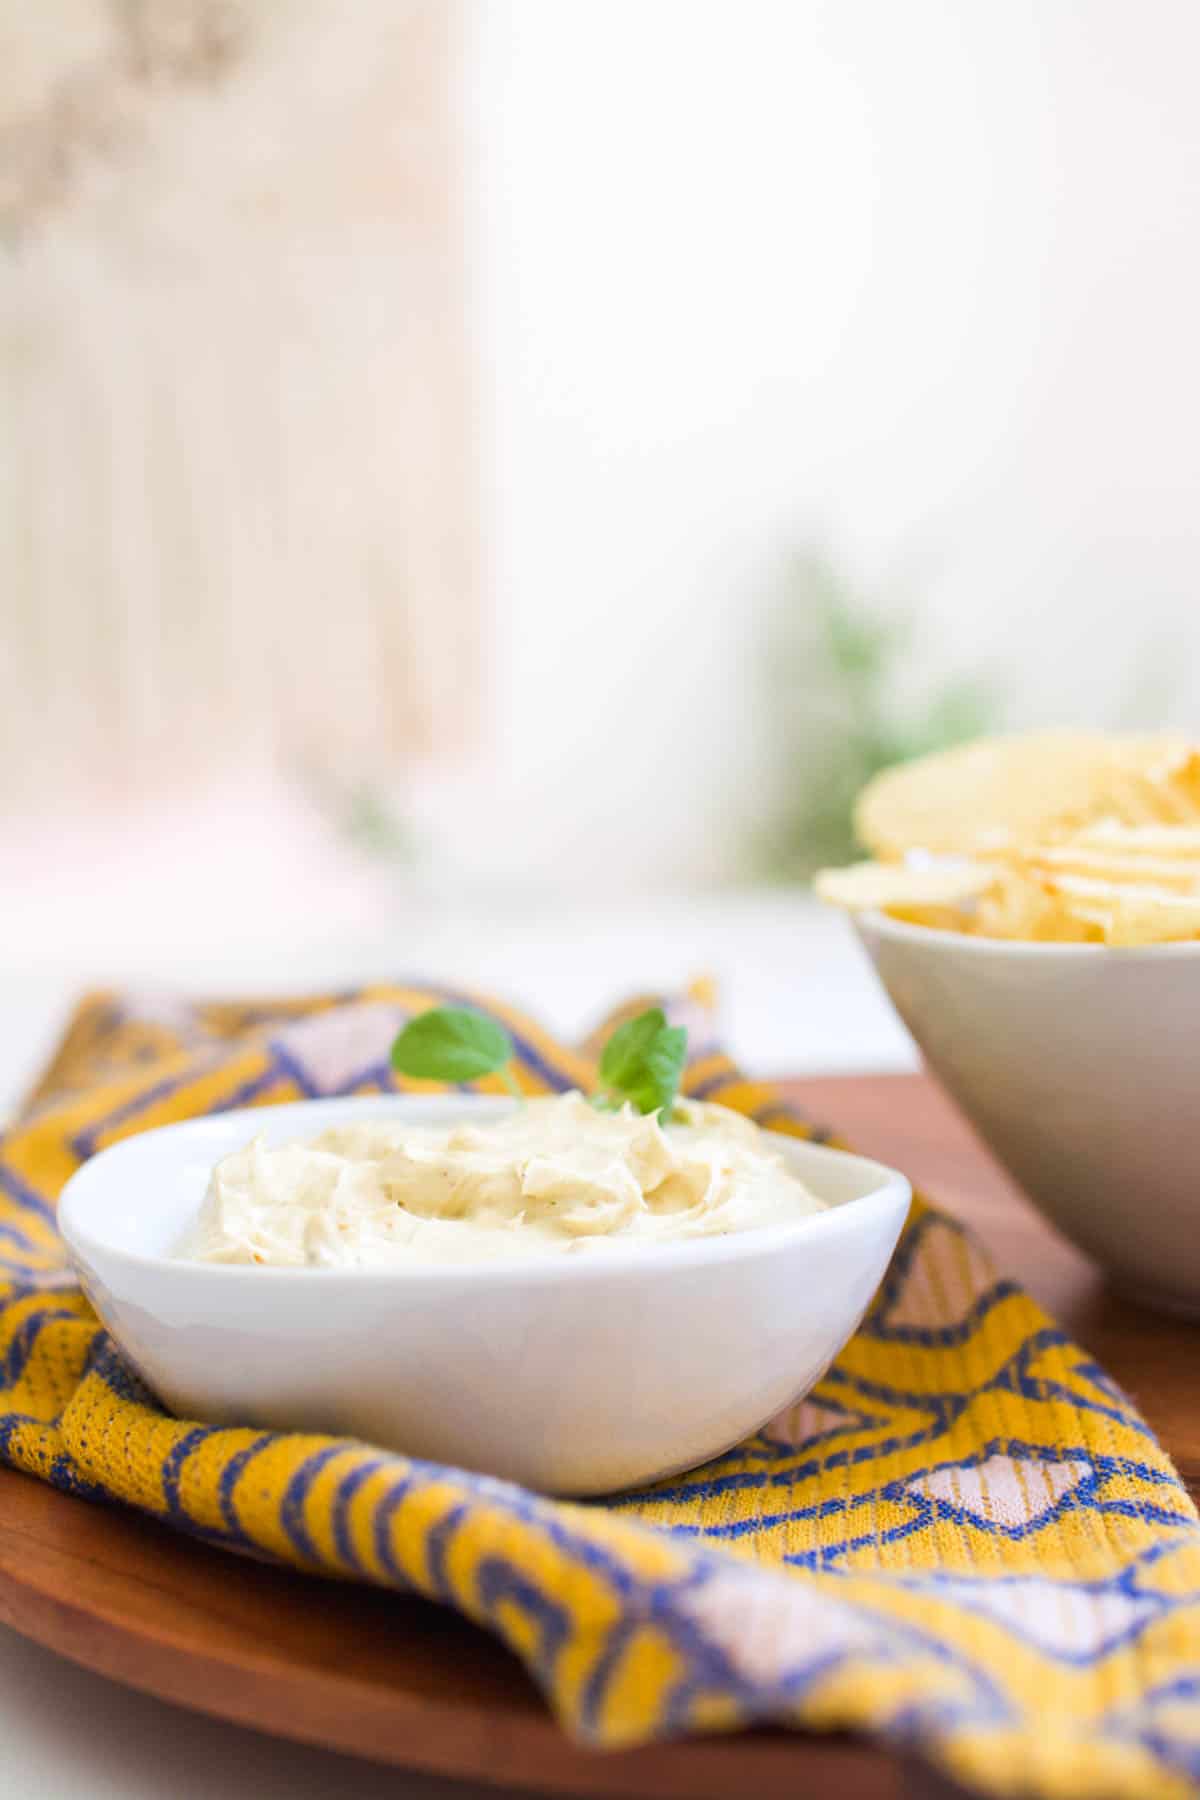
394	1678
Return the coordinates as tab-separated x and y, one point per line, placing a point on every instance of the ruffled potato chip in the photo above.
1127	915
887	887
1019	906
1135	841
1177	874
1059	837
999	792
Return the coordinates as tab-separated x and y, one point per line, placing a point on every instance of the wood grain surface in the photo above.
394	1678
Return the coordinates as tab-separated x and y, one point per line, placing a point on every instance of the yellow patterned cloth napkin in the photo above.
965	1540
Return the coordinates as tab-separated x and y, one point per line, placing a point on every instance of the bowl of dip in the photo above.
575	1300
1076	1063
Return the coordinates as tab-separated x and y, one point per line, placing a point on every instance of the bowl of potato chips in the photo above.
1033	910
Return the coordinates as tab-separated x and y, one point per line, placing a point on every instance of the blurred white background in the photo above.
430	399
919	279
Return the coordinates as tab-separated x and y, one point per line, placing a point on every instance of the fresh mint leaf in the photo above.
642	1063
452	1043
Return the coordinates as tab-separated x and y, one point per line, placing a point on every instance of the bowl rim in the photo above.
85	1245
884	925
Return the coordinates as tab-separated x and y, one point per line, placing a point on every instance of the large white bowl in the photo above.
576	1376
1079	1065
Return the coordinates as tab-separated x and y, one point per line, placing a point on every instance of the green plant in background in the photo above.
374	824
841	706
362	813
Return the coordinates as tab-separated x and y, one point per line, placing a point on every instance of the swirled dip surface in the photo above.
553	1176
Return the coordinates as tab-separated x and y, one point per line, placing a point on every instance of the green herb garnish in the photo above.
454	1043
641	1065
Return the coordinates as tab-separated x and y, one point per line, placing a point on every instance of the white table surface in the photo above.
798	996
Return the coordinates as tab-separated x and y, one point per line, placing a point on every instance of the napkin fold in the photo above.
965	1540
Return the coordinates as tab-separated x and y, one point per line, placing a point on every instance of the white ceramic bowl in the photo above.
1078	1065
575	1376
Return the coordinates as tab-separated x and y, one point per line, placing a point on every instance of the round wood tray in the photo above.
391	1677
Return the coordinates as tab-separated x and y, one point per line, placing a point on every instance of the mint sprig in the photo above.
641	1065
454	1043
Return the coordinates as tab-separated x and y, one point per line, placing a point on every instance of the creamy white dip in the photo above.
553	1176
